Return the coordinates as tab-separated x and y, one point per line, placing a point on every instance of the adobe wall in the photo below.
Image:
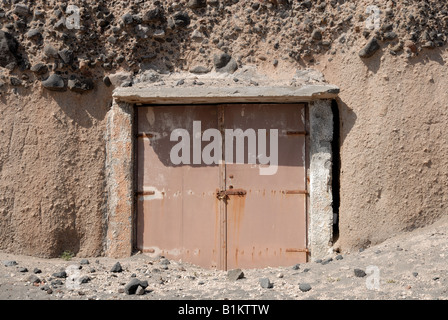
56	90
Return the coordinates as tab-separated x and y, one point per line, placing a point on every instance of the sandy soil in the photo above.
411	266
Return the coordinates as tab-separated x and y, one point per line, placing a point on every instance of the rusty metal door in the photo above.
225	215
177	211
266	217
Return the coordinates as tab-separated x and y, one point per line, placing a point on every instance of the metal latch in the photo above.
221	195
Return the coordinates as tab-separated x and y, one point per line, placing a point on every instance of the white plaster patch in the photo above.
156	251
150	116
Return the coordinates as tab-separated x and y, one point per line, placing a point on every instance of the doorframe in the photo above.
120	154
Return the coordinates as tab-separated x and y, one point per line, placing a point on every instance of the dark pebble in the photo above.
304	287
359	273
84	262
116	268
370	49
235	274
61	275
266	283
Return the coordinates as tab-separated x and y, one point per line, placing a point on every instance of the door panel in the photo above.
177	209
266	226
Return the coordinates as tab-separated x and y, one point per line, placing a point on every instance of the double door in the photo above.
223	186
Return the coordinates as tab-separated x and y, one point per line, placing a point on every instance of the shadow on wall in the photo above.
430	55
347	120
373	63
82	108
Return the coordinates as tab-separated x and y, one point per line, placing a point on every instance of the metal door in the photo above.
266	217
177	211
228	215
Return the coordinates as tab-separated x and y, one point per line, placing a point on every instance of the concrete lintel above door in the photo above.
200	95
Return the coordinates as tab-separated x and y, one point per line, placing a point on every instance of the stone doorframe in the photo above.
120	155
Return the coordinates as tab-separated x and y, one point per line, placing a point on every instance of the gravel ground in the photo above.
411	266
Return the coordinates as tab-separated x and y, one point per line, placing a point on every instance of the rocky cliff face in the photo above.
90	39
59	62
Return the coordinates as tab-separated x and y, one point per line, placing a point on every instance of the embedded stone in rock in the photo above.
50	51
296	267
429	45
60	25
197	35
369	50
38	14
304	287
39	69
359	273
133	285
231	67
21	9
149	56
84	262
390	36
15	81
34	34
221	60
235	274
317	34
154	15
37	271
107	81
195	4
159	34
266	283
181	19
8	49
116	268
411	46
80	86
54	83
307	4
117	79
339	257
66	56
127	18
327	261
200	70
